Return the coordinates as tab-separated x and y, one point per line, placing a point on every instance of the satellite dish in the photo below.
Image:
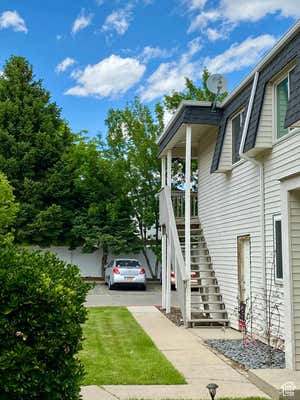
217	84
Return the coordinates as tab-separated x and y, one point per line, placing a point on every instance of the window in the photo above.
278	248
236	126
282	98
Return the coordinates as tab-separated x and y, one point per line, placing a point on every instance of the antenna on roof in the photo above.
217	84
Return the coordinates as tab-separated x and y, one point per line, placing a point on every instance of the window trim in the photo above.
276	218
277	82
233	116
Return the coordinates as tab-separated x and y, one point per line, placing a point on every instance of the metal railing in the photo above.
167	218
178	201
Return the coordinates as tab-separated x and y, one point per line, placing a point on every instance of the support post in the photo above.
187	217
168	277
163	172
163	267
169	169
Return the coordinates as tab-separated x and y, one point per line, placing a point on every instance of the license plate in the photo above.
129	278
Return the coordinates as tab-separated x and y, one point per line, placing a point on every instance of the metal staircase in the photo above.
207	306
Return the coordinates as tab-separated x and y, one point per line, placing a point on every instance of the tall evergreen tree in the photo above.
33	138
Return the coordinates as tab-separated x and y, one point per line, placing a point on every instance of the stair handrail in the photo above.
172	228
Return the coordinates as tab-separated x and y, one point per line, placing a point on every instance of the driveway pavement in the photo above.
101	296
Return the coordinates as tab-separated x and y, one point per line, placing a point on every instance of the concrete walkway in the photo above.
187	352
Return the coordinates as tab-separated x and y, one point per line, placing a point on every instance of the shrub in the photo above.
41	312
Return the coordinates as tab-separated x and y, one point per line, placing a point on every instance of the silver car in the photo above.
125	272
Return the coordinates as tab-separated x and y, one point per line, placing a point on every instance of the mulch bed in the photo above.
175	315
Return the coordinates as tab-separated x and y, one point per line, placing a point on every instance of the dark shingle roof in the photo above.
289	53
191	114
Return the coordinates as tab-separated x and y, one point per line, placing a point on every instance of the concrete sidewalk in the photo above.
187	352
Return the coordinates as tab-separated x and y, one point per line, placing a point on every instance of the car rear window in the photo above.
127	263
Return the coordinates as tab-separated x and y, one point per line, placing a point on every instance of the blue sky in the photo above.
97	54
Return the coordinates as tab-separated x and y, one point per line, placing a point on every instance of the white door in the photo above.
244	274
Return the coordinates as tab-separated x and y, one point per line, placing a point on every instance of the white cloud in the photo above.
213	34
150	53
194	4
254	10
81	22
111	77
11	19
171	76
118	21
64	64
229	13
201	21
240	55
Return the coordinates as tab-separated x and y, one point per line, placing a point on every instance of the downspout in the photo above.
260	165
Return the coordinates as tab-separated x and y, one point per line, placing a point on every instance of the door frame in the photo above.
288	184
241	270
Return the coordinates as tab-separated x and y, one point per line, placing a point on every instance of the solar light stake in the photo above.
212	388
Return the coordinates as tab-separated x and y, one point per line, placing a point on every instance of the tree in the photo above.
8	208
192	92
131	145
33	138
95	209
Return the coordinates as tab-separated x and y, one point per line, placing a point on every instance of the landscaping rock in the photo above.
251	356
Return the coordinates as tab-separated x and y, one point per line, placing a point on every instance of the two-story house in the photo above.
234	246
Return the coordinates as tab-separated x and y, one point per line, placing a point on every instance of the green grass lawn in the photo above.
116	351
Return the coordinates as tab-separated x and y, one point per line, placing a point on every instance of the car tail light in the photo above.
142	271
116	271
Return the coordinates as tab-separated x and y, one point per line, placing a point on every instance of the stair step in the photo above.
203	277
208	302
208	320
204	286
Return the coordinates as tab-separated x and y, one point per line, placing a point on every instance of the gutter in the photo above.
260	165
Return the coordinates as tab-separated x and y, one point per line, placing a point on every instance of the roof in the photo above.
197	112
190	112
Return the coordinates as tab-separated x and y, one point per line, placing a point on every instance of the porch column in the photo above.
187	214
168	269
169	169
163	172
168	277
163	266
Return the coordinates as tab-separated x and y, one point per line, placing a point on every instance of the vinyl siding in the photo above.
294	209
229	208
264	137
226	156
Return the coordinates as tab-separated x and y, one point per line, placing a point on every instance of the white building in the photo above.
236	244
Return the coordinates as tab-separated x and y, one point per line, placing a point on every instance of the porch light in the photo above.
212	388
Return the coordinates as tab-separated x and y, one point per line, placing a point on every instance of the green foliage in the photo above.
33	138
192	92
41	312
8	208
132	134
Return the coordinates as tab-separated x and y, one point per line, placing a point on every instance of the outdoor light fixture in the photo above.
212	388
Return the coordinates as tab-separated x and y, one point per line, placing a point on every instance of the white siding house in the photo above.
238	255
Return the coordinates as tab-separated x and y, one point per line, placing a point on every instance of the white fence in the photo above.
90	263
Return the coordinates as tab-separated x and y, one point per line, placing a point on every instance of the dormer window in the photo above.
282	92
236	127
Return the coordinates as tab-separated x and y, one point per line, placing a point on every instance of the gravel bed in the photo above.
251	356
